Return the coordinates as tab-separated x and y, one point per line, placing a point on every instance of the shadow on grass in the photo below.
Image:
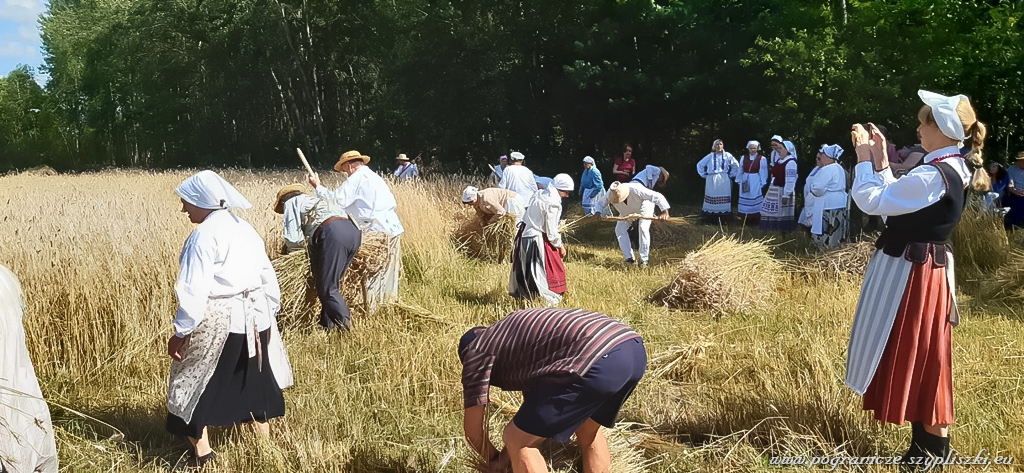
469	296
372	459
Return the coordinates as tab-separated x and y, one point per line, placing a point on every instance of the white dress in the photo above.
718	170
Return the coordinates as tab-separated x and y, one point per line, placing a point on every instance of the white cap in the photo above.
753	143
778	138
588	159
944	112
516	156
563	182
469	194
832	151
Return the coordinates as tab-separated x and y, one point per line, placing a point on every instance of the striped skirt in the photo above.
778	214
912	379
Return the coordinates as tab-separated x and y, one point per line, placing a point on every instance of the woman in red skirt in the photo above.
899	355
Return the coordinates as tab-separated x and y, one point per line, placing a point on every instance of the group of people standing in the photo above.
767	190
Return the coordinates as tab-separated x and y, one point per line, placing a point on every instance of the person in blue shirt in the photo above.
591	185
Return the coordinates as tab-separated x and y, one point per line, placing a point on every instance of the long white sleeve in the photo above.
732	166
551	221
293	234
195	281
703	165
271	288
791	176
879	193
763	171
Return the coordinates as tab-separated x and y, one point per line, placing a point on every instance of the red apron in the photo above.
554	268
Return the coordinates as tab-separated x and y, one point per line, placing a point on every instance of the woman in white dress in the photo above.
718	169
826	211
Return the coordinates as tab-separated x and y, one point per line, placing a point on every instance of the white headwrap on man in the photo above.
470	194
944	112
832	151
207	190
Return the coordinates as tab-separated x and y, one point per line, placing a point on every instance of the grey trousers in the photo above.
331	250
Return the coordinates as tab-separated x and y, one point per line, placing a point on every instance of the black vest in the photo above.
916	234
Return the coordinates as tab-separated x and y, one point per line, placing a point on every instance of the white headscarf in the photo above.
789	147
470	194
563	183
755	143
832	151
944	112
207	190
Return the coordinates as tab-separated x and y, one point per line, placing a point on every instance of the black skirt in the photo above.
238	392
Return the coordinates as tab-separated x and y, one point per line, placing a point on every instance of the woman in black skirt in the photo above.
229	364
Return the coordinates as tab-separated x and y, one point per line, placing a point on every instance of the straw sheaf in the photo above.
724	275
298	296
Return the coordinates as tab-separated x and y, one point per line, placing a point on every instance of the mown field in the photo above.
97	255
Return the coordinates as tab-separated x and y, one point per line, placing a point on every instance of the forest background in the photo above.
210	83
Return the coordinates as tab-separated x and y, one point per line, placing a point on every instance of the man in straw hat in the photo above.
576	369
26	433
493	203
635	199
406	169
652	177
591	185
517	177
228	363
537	253
368	201
333	241
1015	194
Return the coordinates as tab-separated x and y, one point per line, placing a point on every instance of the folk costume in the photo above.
26	432
651	177
518	178
778	214
899	354
331	241
537	268
591	185
826	211
234	364
406	170
368	201
634	199
491	204
718	171
752	177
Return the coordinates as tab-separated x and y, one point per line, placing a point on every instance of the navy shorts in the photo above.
555	411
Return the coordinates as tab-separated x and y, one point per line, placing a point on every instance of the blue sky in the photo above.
19	35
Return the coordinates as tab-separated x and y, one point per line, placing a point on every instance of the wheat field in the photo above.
97	255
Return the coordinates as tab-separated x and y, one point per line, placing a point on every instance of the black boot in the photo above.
937	447
916	447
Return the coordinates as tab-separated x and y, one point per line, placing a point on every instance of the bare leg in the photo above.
523	451
939	430
263	428
202	444
596	458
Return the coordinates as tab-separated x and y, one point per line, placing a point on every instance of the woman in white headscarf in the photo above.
228	363
752	177
718	169
778	214
826	211
26	433
900	353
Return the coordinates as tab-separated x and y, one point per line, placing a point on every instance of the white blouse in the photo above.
639	194
223	257
519	179
879	193
829	185
368	200
718	163
543	214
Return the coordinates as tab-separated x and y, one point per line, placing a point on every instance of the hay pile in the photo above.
1008	283
485	242
849	260
724	275
293	274
980	244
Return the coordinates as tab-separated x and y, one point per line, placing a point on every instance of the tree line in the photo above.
158	83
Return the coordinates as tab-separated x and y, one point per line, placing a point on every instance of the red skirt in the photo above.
914	380
554	268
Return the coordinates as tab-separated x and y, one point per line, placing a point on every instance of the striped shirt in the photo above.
534	345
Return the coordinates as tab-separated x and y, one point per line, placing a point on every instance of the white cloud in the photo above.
22	11
17	50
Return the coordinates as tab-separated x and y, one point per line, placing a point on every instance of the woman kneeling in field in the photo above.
228	363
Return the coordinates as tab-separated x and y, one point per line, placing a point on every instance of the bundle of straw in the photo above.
293	275
724	275
848	260
1008	283
979	242
491	242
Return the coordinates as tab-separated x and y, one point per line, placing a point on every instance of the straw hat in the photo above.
662	178
1020	156
402	157
617	193
278	203
350	156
